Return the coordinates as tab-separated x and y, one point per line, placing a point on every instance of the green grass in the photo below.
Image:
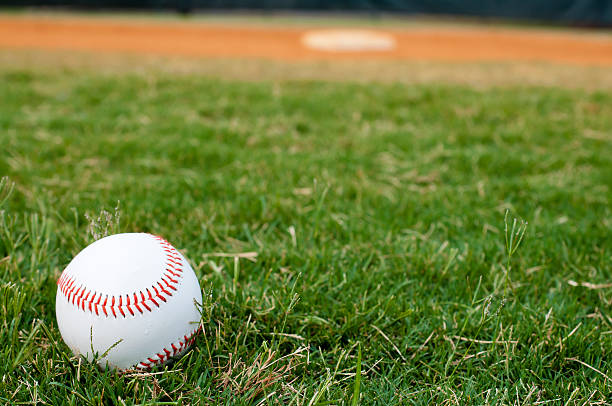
377	214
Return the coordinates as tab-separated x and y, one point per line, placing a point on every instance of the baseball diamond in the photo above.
356	209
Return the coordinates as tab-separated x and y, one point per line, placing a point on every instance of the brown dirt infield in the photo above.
417	43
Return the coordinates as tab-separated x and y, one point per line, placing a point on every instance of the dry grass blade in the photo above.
590	285
251	256
472	340
263	372
590	367
390	342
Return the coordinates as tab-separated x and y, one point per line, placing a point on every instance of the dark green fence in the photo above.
582	12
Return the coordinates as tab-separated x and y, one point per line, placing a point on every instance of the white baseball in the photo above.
132	299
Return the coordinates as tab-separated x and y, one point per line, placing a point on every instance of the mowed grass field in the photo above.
350	238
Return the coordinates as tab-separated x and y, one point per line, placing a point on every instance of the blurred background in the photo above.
580	12
521	35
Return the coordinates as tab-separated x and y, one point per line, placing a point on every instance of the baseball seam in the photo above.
165	354
122	305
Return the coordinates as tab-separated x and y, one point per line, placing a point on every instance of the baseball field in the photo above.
429	224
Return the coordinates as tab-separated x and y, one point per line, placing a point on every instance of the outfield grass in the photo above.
377	215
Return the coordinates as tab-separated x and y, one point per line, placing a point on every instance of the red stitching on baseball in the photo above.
80	294
170	261
66	284
168	283
173	273
157	293
85	299
136	304
151	298
176	349
163	289
113	307
71	287
104	305
120	306
97	304
71	294
128	305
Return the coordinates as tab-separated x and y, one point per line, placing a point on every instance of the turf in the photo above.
384	272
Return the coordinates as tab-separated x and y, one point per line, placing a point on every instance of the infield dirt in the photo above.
271	48
450	43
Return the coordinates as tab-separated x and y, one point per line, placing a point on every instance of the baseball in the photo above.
129	301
